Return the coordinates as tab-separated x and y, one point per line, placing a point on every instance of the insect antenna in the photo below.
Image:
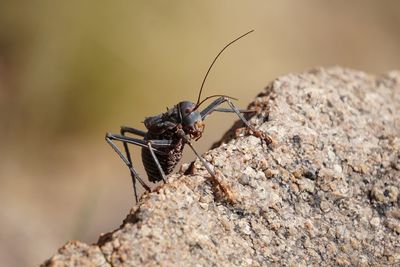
215	59
211	96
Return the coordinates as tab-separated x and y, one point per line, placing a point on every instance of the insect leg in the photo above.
109	138
256	132
126	129
214	178
203	161
214	106
240	115
140	142
211	107
228	110
163	176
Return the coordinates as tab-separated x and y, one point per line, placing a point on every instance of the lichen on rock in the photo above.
326	192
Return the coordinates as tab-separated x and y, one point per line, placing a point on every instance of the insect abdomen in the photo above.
167	162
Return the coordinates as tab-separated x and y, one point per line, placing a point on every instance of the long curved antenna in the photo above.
215	59
211	96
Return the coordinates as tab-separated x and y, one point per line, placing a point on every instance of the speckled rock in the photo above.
326	192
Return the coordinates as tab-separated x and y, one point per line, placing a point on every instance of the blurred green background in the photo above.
72	70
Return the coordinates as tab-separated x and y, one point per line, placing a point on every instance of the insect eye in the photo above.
188	110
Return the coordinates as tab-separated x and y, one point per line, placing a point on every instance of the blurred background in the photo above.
72	70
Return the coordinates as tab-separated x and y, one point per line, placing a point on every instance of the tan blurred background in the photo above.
72	70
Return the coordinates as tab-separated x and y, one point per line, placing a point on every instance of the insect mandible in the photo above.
167	134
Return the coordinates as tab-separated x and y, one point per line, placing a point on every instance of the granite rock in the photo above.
325	192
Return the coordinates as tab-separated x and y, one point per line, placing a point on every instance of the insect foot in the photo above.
224	187
255	132
260	134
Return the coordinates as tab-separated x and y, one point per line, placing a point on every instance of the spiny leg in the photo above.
142	143
126	129
229	110
138	142
242	118
255	131
214	107
215	180
109	138
163	176
186	139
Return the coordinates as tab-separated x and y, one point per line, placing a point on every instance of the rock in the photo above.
76	253
326	192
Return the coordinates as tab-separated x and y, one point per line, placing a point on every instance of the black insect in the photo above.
168	133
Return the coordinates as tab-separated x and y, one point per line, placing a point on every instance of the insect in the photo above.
167	134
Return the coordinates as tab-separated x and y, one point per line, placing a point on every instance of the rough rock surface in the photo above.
325	193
